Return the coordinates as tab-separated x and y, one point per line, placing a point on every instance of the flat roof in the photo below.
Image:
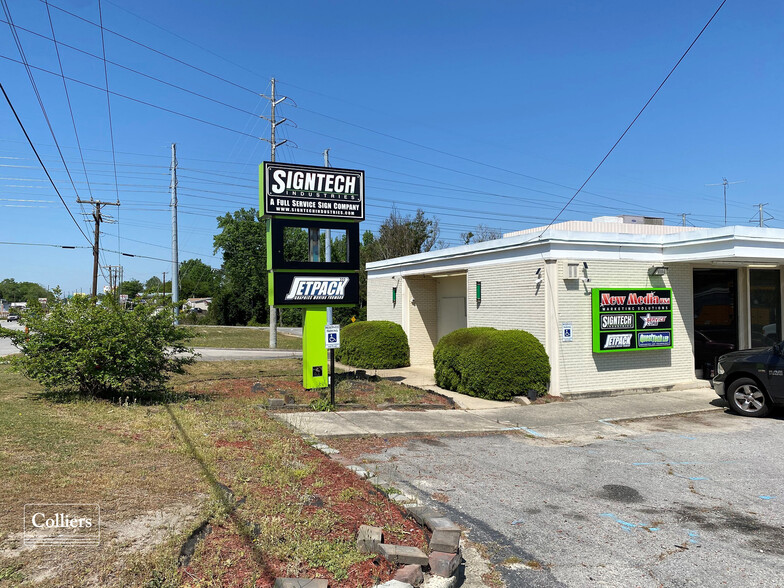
732	244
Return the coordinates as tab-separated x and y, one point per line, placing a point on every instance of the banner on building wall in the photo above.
627	320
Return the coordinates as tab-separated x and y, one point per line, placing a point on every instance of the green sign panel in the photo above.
627	319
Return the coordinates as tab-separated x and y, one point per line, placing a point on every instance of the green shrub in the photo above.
89	349
493	364
373	345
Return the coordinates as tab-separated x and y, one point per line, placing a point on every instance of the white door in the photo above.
451	314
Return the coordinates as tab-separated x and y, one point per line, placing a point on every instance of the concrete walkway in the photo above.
219	354
581	418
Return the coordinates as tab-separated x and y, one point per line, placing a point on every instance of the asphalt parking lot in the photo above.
691	500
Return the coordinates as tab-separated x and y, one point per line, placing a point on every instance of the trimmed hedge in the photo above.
493	364
373	345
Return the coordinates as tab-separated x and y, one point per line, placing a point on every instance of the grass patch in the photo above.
239	338
158	471
283	378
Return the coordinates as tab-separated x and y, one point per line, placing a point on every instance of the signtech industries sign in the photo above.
627	320
305	190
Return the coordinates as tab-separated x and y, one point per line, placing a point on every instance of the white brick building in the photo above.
726	294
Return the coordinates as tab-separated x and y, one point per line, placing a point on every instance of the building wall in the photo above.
510	298
422	321
379	300
581	370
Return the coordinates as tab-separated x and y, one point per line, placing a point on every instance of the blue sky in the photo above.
488	113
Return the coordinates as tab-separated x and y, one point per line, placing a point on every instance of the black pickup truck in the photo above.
751	380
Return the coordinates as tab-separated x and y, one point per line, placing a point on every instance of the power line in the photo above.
337	138
68	97
137	100
667	77
161	53
135	71
46	171
26	64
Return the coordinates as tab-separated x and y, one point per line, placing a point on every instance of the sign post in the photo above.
332	337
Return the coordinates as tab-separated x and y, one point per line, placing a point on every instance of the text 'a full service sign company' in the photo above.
310	197
629	319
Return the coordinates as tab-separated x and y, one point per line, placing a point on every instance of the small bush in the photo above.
493	364
89	349
373	345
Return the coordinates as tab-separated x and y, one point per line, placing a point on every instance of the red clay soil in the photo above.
332	483
361	391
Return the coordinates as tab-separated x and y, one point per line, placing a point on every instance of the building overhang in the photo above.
743	246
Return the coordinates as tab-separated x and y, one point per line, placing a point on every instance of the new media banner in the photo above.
310	289
625	320
304	190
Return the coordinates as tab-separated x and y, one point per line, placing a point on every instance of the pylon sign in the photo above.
311	198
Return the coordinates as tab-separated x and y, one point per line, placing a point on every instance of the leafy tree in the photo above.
243	293
100	350
197	279
480	234
403	235
154	284
131	288
14	291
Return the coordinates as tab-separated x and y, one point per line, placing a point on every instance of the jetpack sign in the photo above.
626	320
315	289
305	190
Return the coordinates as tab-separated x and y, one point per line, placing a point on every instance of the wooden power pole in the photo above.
96	204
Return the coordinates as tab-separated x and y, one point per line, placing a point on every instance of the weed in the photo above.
350	494
322	405
11	573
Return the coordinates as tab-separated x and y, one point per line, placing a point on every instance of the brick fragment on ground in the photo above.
444	564
410	574
274	403
439	582
300	583
403	554
420	513
394	584
446	535
368	539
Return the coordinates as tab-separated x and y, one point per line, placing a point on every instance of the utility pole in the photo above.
175	253
725	183
762	217
273	319
97	218
683	218
328	242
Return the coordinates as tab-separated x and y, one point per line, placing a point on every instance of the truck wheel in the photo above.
747	399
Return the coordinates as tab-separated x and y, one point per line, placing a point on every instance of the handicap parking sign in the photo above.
332	333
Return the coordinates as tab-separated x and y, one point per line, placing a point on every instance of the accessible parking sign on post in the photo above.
332	336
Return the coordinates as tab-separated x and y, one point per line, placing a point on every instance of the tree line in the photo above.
239	288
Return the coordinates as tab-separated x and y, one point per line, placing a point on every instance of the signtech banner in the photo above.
628	320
